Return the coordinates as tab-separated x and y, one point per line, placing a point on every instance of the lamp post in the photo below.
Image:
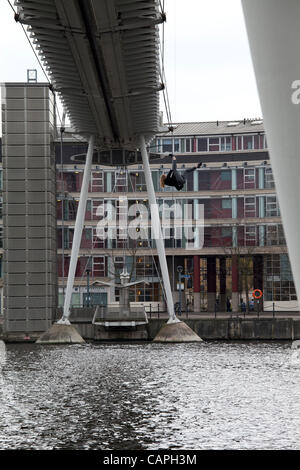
179	270
88	286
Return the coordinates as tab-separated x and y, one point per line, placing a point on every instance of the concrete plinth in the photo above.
197	302
235	301
178	332
60	334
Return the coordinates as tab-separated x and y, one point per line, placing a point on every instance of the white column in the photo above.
156	227
78	230
274	37
234	179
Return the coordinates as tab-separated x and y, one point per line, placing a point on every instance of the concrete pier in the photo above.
61	334
178	332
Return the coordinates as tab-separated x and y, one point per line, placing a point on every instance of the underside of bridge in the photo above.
103	58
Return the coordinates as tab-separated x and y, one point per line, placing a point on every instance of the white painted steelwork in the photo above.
274	38
78	231
156	228
103	59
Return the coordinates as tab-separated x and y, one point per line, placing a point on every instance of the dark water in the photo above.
148	396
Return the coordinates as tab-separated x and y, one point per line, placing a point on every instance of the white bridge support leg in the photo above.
273	28
156	228
78	231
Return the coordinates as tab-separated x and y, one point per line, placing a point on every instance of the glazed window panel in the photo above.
158	145
96	206
250	206
120	181
249	178
281	236
226	145
97	182
248	142
271	206
176	145
271	235
256	141
99	237
136	181
190	181
250	235
167	145
239	143
278	279
202	144
214	144
99	266
226	203
269	178
225	175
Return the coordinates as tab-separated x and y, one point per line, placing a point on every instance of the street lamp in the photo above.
88	286
179	270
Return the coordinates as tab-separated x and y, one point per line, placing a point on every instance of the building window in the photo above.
225	175
202	145
248	142
271	235
250	235
158	145
256	141
226	145
97	181
269	178
176	145
271	206
249	178
250	207
99	266
214	144
226	232
239	142
226	203
278	279
167	145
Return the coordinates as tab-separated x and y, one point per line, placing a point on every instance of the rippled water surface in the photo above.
216	395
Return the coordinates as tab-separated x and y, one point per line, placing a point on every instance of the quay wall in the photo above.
207	329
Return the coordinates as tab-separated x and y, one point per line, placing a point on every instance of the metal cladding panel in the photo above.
103	59
29	211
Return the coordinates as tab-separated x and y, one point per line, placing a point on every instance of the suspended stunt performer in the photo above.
174	178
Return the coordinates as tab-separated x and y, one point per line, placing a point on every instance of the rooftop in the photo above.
217	127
